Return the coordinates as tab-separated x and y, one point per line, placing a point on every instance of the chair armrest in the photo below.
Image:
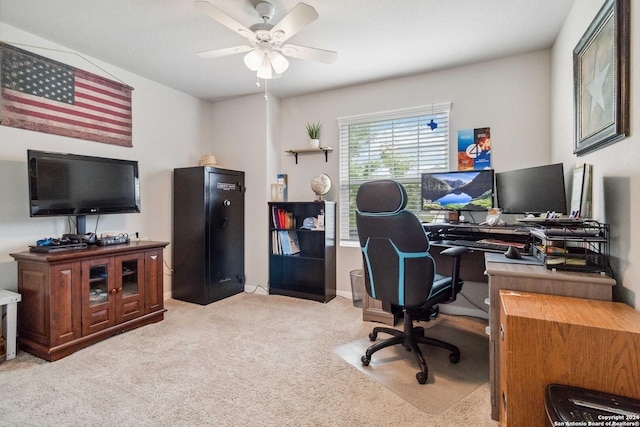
456	251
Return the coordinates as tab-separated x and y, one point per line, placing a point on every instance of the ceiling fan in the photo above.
266	51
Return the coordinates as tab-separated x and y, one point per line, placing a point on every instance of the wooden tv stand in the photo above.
76	298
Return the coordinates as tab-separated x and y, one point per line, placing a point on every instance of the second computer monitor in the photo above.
532	190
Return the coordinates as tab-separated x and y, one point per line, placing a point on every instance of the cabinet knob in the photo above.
113	291
119	289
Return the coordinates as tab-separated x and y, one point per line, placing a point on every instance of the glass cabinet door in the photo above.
130	280
98	293
98	284
129	301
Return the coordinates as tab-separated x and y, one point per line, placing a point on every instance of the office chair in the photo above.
399	269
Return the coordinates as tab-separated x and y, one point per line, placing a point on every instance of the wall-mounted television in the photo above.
63	184
457	190
532	190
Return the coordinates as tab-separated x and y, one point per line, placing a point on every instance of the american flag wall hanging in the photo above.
47	96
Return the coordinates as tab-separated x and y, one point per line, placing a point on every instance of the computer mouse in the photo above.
513	253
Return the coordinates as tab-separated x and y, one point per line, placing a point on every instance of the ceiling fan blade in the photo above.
309	53
217	14
223	52
299	17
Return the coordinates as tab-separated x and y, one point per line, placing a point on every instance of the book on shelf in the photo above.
282	219
294	244
275	243
285	242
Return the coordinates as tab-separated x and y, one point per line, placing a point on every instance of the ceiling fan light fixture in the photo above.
266	52
254	59
264	72
278	62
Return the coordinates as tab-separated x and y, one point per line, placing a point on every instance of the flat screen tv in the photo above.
533	190
457	190
62	184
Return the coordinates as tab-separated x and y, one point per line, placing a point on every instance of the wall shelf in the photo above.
324	150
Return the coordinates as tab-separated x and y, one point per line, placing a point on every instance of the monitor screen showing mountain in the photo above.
459	190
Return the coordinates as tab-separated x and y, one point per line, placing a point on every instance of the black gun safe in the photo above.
208	234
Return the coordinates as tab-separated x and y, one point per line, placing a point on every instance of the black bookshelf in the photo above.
310	273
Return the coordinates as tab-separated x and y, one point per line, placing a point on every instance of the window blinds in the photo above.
398	145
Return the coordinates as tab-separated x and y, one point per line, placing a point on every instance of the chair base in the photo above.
410	337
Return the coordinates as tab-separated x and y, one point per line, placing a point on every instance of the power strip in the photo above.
113	240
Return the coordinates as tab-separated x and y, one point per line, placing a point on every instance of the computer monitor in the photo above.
457	190
532	190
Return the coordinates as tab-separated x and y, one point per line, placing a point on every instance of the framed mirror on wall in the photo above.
601	79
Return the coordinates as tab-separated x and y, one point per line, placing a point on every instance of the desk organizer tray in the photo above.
571	258
584	248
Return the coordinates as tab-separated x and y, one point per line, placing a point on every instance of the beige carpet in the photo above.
248	360
448	383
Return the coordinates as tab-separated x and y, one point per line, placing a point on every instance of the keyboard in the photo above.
481	245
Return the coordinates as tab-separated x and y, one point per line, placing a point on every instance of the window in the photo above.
398	145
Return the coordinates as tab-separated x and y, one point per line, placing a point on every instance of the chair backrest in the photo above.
395	247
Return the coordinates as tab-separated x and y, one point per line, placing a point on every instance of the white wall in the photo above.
169	131
510	95
616	168
245	133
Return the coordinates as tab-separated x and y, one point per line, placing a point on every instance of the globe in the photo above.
321	184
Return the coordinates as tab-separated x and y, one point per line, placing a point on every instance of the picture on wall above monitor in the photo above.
457	190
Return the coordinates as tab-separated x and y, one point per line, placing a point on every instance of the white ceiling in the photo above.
375	39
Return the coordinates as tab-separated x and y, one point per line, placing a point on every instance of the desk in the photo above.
11	300
520	277
549	339
539	279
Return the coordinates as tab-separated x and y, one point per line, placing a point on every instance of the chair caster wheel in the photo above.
373	336
365	360
422	377
435	312
454	357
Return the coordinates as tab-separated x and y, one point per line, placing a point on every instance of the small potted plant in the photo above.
313	130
